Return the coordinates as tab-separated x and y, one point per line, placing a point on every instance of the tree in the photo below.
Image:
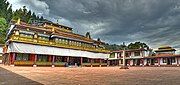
114	47
5	10
138	45
3	29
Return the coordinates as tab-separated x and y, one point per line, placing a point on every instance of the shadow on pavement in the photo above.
9	78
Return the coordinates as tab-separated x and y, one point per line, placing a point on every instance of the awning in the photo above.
47	50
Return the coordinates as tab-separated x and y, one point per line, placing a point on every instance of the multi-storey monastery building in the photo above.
49	44
164	56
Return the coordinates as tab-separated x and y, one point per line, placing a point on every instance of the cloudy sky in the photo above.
155	22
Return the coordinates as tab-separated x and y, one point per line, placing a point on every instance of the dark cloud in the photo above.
155	22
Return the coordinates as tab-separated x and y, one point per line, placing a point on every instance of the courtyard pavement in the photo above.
89	76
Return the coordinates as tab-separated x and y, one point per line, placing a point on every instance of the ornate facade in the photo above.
52	44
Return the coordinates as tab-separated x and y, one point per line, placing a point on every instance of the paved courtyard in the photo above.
89	76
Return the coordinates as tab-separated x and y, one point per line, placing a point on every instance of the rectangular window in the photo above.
42	58
22	57
112	55
121	61
60	59
127	54
96	60
136	53
86	60
119	55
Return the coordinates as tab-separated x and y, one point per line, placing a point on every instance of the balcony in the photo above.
30	40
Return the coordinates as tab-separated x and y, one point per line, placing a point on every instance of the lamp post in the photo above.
124	60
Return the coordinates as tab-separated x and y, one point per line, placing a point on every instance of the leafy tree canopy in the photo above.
3	28
137	45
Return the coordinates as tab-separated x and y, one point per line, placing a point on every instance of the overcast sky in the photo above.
155	22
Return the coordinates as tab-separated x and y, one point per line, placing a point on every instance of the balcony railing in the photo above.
43	63
23	62
59	63
56	44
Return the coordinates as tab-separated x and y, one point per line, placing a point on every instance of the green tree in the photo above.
138	45
3	29
6	10
114	47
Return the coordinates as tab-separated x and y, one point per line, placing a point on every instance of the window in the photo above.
23	57
112	55
136	53
86	60
60	59
26	35
164	60
42	58
121	61
119	55
127	54
96	60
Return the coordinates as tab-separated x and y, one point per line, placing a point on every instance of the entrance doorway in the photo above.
74	60
169	61
138	62
152	61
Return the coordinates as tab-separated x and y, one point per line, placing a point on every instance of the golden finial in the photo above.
53	29
18	21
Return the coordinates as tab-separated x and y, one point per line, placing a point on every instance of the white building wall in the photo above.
175	63
161	62
145	61
131	62
179	60
116	55
146	53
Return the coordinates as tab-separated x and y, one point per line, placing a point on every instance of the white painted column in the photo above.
53	57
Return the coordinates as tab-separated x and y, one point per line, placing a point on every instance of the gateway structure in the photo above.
48	43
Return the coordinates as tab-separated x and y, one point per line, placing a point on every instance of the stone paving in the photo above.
89	76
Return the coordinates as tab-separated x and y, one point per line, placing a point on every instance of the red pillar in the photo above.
13	58
32	57
49	58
